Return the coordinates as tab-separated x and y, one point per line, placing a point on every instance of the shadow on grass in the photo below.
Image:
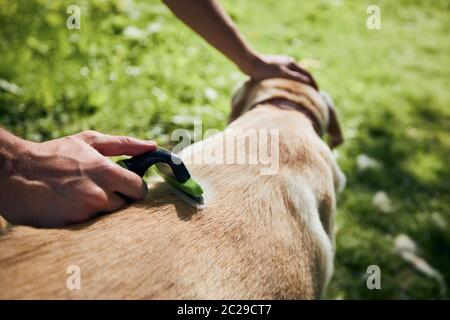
417	200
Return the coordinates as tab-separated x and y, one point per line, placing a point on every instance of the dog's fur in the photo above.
259	237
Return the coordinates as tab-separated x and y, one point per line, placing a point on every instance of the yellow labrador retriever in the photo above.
263	234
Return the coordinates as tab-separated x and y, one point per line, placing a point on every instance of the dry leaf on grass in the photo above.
407	249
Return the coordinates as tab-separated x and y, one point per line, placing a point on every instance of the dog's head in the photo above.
318	105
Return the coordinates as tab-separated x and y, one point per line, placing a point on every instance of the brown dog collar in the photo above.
287	104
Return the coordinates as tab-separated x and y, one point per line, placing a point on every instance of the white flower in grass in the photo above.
133	71
365	162
159	94
132	32
210	94
382	202
84	71
154	27
10	87
184	119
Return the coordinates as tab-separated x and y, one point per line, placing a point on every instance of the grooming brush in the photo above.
170	167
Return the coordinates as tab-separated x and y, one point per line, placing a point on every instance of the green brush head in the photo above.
191	188
170	167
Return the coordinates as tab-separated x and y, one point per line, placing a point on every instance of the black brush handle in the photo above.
140	164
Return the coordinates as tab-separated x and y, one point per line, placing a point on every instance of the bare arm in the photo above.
211	22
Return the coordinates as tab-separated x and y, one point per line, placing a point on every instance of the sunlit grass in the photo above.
134	69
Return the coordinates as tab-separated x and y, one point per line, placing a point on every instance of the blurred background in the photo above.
134	69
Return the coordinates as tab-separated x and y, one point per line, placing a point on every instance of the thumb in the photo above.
109	145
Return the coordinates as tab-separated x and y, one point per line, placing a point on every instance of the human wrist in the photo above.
254	63
250	63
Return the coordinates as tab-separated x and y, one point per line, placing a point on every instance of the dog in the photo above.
259	236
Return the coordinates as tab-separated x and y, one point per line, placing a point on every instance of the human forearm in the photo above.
209	20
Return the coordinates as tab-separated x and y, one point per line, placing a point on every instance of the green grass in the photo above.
391	87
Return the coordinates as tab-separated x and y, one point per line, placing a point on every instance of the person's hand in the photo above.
70	180
267	66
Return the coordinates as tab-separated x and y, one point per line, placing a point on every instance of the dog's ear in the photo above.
239	99
334	128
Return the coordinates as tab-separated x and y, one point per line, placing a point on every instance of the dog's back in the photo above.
260	236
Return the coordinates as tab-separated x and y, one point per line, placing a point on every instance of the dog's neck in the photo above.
316	105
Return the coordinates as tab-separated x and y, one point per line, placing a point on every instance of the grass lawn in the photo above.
134	69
